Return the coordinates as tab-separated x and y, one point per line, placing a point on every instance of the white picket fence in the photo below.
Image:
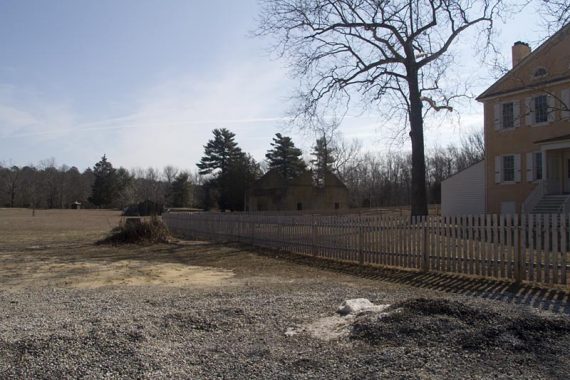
531	248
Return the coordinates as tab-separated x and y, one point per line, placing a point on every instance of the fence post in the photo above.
220	232
360	241
517	246
425	249
313	235
252	226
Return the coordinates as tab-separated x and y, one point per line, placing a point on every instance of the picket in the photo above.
517	247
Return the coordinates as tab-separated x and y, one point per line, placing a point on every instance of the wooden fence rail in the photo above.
531	248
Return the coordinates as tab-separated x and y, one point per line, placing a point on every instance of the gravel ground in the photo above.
154	332
236	329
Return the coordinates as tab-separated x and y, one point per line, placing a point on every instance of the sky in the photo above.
146	81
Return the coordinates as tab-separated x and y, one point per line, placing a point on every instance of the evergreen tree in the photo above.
102	190
108	184
324	158
219	152
233	171
234	184
285	157
180	190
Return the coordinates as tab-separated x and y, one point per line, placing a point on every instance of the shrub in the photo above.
137	231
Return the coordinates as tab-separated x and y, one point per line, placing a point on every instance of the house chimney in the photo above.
520	51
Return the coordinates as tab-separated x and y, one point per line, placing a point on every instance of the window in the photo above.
508	115
299	206
336	205
540	72
537	165
541	109
508	168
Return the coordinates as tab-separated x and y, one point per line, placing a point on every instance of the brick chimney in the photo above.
520	51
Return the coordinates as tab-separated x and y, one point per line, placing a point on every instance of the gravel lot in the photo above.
235	326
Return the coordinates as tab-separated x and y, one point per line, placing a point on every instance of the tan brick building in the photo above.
527	130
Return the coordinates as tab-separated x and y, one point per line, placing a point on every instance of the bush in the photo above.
137	231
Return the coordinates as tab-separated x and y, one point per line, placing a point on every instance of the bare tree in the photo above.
169	173
556	13
394	53
344	152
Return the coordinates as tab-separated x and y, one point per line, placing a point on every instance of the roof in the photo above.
491	91
553	139
461	171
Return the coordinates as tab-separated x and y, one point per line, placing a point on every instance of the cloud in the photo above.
24	112
173	119
170	121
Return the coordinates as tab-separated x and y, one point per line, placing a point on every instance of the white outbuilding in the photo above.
464	192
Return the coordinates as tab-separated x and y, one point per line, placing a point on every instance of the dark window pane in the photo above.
541	109
508	168
508	115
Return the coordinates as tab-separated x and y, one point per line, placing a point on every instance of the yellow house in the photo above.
527	131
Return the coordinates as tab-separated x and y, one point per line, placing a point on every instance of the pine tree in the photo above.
219	152
235	183
104	186
109	184
233	171
324	158
285	157
180	190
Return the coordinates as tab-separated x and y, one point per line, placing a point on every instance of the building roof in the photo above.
553	139
493	89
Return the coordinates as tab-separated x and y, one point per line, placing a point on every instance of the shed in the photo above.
464	192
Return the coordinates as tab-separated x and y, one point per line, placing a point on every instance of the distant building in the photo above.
273	192
76	205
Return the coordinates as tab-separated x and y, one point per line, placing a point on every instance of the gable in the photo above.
331	180
553	56
270	180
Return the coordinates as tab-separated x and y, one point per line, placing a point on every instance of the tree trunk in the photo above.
418	191
12	194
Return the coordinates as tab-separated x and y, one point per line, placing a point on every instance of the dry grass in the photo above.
57	248
20	226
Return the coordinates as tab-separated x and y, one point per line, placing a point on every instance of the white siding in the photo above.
464	193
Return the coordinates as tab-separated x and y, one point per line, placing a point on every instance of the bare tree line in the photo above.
373	179
384	179
47	185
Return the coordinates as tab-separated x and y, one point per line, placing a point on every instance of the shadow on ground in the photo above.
552	299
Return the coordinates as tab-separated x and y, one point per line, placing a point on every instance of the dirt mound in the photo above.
138	232
430	322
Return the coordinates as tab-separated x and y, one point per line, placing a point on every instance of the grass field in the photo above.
72	309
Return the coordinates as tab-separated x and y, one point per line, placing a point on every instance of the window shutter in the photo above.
517	167
566	105
517	113
551	108
498	169
498	116
529	111
530	167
